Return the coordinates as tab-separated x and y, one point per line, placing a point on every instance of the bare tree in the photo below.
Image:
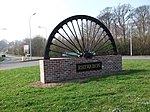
121	14
141	19
106	16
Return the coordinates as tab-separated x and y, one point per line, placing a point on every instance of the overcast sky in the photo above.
15	14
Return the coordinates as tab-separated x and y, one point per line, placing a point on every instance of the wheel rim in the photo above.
80	36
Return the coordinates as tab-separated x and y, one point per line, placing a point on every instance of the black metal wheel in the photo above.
80	36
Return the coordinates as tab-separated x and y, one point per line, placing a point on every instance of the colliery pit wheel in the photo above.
80	36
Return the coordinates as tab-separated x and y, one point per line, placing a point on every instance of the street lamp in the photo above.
131	51
30	34
45	30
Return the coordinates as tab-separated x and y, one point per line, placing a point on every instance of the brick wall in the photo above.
57	70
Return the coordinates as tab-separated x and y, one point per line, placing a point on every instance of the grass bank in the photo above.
123	92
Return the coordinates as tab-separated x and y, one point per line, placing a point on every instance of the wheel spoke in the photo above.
63	44
99	40
69	37
82	34
94	30
93	39
102	45
70	42
64	38
76	37
87	38
89	35
68	49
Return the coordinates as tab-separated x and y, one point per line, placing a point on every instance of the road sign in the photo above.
26	49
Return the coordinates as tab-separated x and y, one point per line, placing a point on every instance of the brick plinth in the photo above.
57	70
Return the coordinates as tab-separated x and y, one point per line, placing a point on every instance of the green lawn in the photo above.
123	92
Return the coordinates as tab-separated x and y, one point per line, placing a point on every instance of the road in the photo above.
15	62
11	62
136	57
18	65
10	59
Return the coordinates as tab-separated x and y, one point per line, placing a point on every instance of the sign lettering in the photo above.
88	66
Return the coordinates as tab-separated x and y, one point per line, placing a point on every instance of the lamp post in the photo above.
45	30
131	51
30	35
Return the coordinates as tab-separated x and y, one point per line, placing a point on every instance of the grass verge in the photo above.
123	92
